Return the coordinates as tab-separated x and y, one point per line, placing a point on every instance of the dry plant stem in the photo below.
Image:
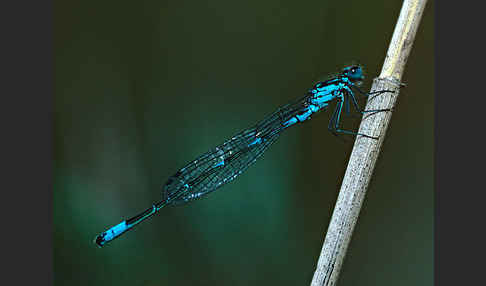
365	151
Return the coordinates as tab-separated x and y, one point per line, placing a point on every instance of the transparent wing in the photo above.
228	160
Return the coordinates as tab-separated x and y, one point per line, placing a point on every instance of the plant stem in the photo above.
365	151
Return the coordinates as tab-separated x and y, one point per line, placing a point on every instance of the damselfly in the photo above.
228	160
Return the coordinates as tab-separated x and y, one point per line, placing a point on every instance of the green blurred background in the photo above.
143	87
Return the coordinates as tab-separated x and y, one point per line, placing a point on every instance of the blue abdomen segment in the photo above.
305	115
111	233
128	224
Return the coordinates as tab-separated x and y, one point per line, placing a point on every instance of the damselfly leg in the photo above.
334	123
358	109
336	116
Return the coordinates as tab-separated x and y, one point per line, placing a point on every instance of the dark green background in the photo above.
143	87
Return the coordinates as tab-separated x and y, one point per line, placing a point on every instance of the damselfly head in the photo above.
354	73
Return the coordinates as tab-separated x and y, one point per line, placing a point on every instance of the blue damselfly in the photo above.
225	162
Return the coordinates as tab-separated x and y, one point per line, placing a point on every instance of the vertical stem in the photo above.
365	151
